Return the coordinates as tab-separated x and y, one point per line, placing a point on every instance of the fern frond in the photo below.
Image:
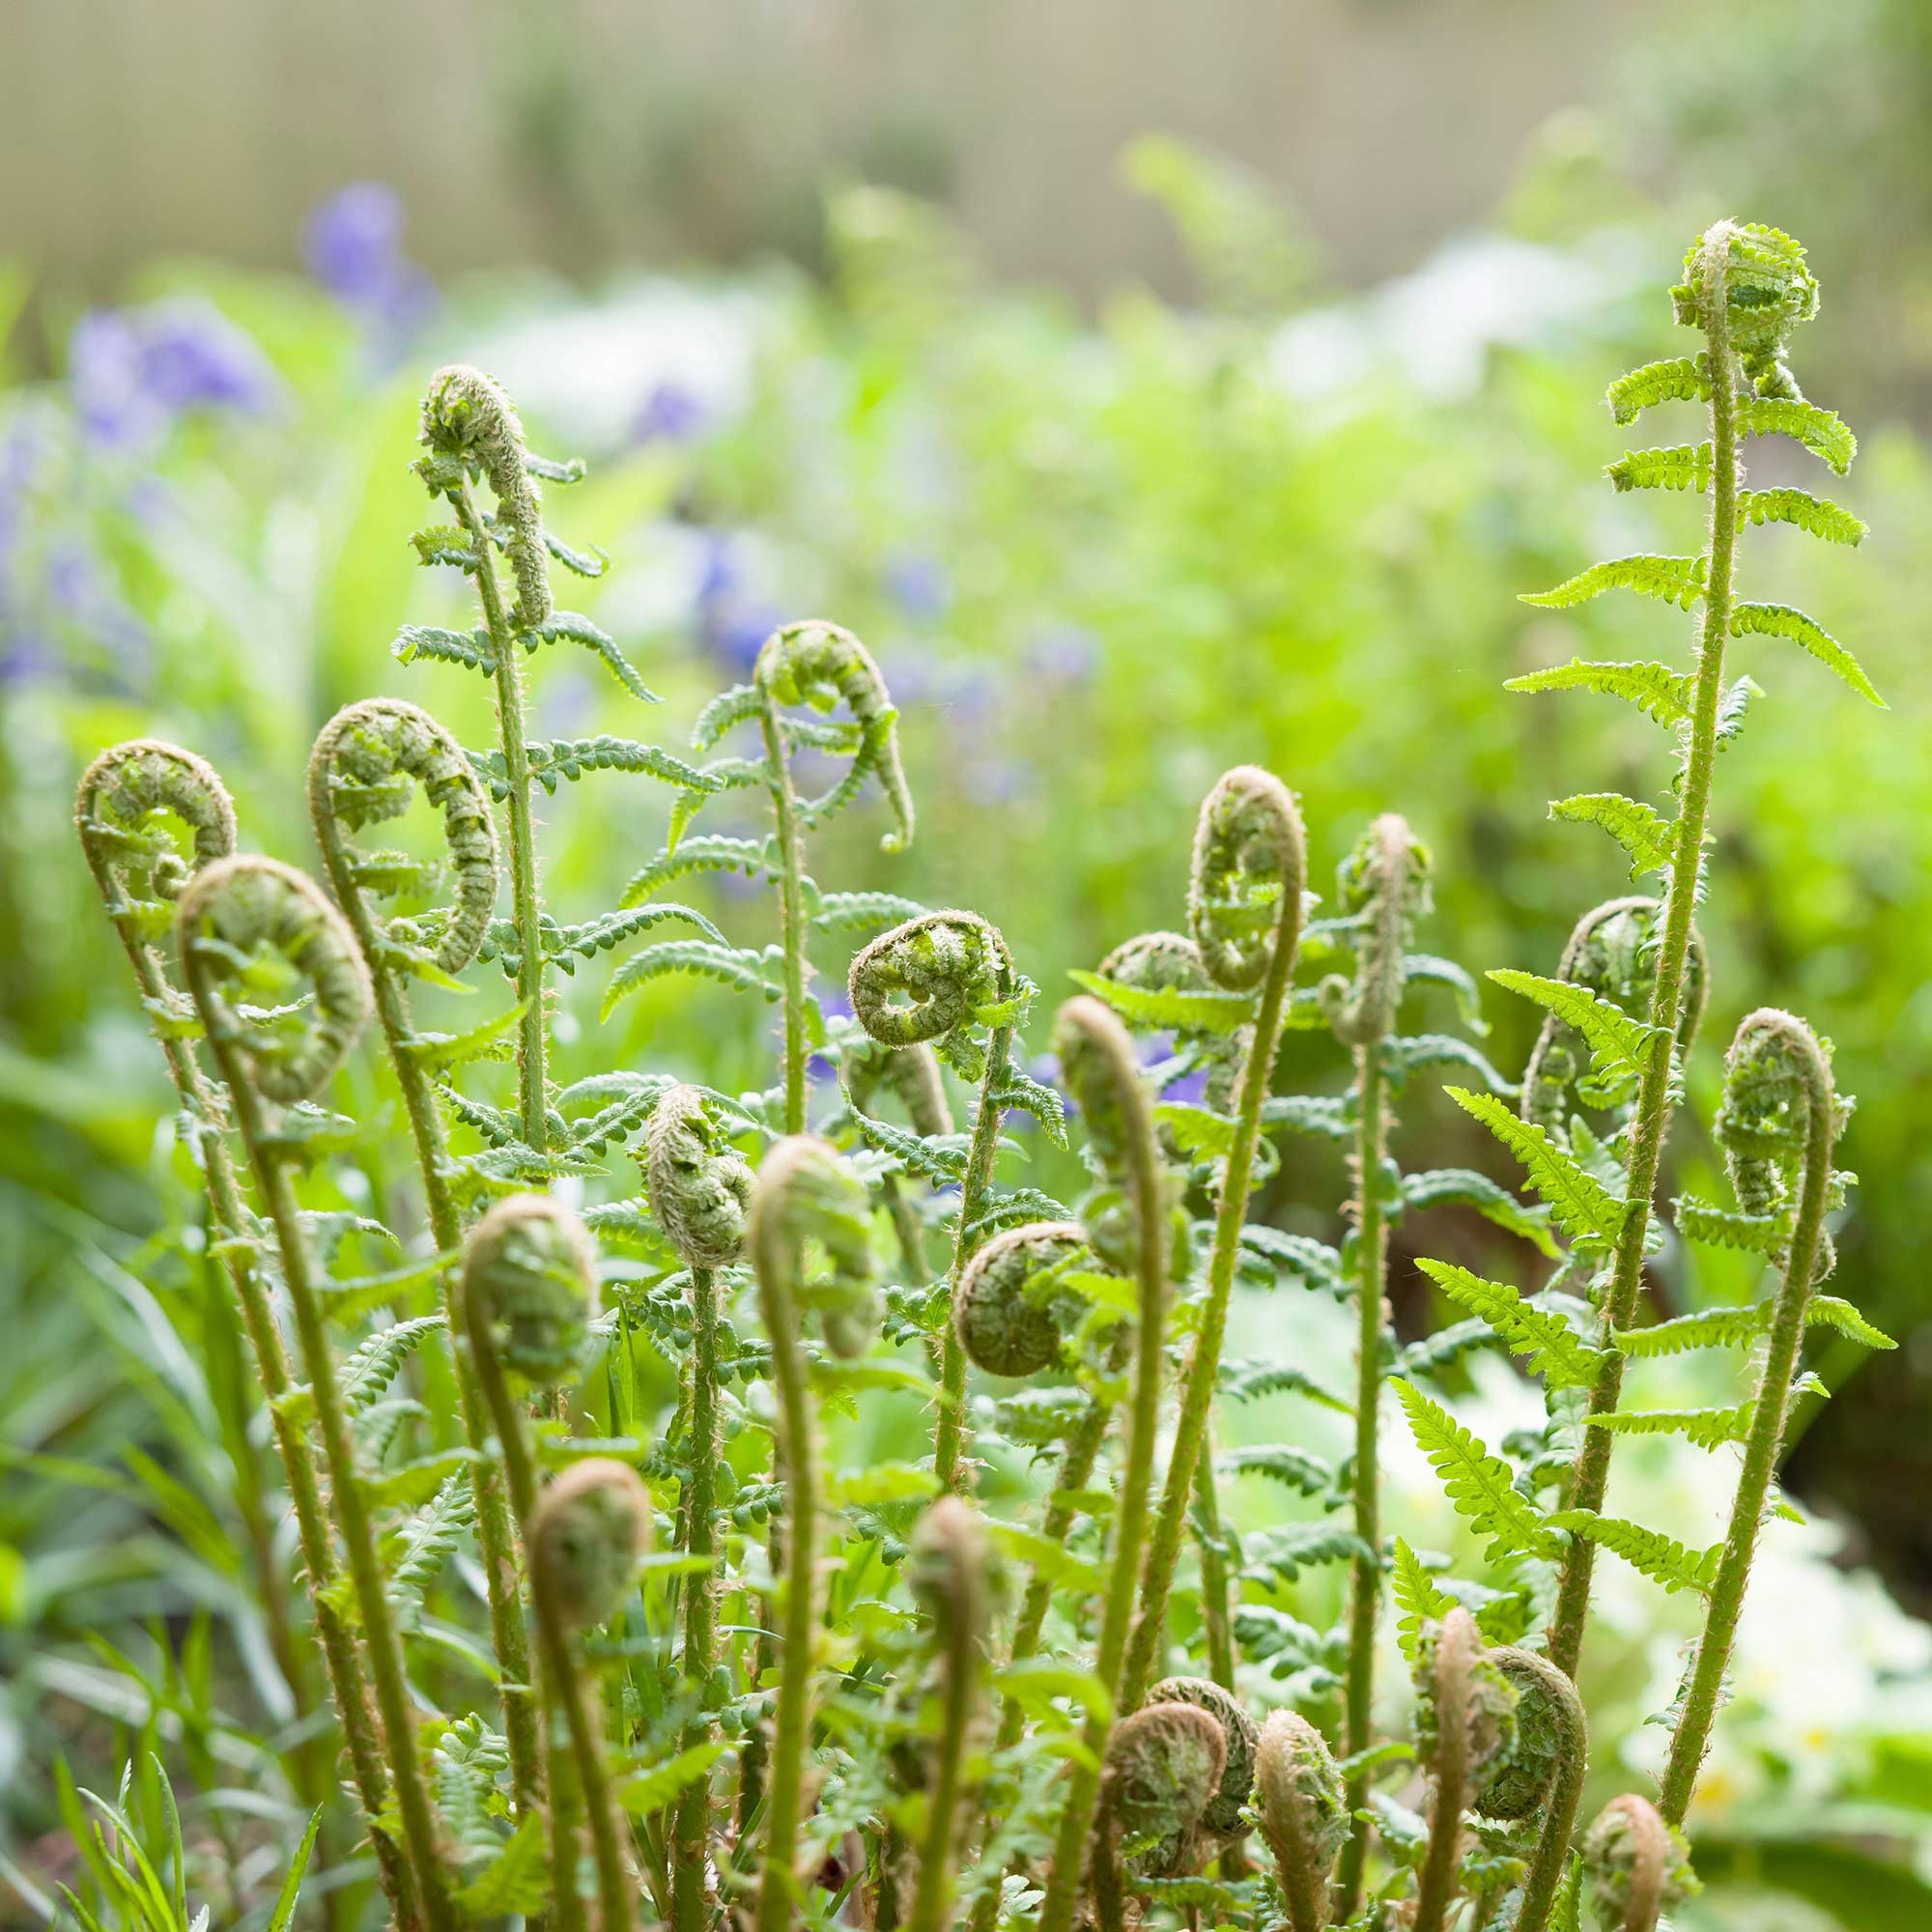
466	1763
428	1537
1582	1206
1687	465
1295	1468
1822	433
1654	689
364	1375
1480	1486
1641	829
1701	1427
1168	1007
1464	1187
564	944
1403	1054
855	912
1416	1597
569	627
1314	1264
1249	1381
1324	1113
1831	1311
1780	620
942	1159
555	761
470	649
1818	515
1684	379
488	1040
734	966
728	709
1658	1557
1708	1328
1674	579
709	852
1553	1348
1279	1554
1012	1087
1713	1227
1619	1045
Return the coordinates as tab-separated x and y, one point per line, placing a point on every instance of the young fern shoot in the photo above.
1745	289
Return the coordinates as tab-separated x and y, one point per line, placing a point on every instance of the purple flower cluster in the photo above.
670	413
135	371
733	620
352	245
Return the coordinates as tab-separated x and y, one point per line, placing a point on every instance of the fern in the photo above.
428	1538
1416	1597
1780	620
370	1370
1823	519
1619	1045
1701	1427
1684	379
1831	1311
1713	1227
1643	832
1654	689
710	852
1480	1486
1658	1557
731	966
1580	1205
1818	430
1553	1348
1464	1187
1685	466
1674	580
1711	1329
1211	1013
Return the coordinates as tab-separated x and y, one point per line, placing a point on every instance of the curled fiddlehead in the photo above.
470	423
1304	1814
1223	1819
823	665
1383	888
1464	1730
1778	1126
700	1186
1611	953
1011	1323
1164	1767
139	867
912	1073
1634	1865
254	926
587	1534
929	982
529	1288
1244	890
949	1570
804	1193
1542	1773
364	769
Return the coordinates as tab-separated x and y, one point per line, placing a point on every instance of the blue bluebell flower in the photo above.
919	586
132	372
352	245
670	413
732	622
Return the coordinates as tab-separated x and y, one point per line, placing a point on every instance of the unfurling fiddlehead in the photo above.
804	1193
700	1191
1382	888
364	769
1164	1768
529	1293
1746	288
1777	1124
1542	1775
821	666
1634	1865
1464	1730
1223	1819
929	982
949	1571
1097	1061
140	870
251	926
1009	1319
1304	1814
1244	906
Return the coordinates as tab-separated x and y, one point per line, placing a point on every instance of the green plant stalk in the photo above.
563	1780
784	1794
792	920
341	1657
933	1894
1077	1819
1550	1859
690	1824
385	1647
1365	1592
494	1540
949	1433
1215	1617
1652	1121
1692	1734
533	1040
1204	1365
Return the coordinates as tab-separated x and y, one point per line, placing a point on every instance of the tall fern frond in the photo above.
1554	1349
1821	432
1672	580
1416	1597
1582	1206
1819	515
1683	379
1654	689
1780	620
1685	466
1701	1427
1658	1557
1480	1486
1641	829
1619	1045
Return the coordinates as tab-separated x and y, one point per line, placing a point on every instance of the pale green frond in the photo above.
1674	579
1641	829
1683	379
1685	466
1658	1557
1780	620
1553	1348
1480	1486
1819	515
1583	1208
1654	689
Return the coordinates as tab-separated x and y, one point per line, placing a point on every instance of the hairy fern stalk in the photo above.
717	1673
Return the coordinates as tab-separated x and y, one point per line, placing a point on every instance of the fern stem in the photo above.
1215	1617
792	920
949	1433
495	1541
358	1537
532	1040
1692	1734
1203	1364
1365	1590
690	1840
1127	1095
1651	1122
